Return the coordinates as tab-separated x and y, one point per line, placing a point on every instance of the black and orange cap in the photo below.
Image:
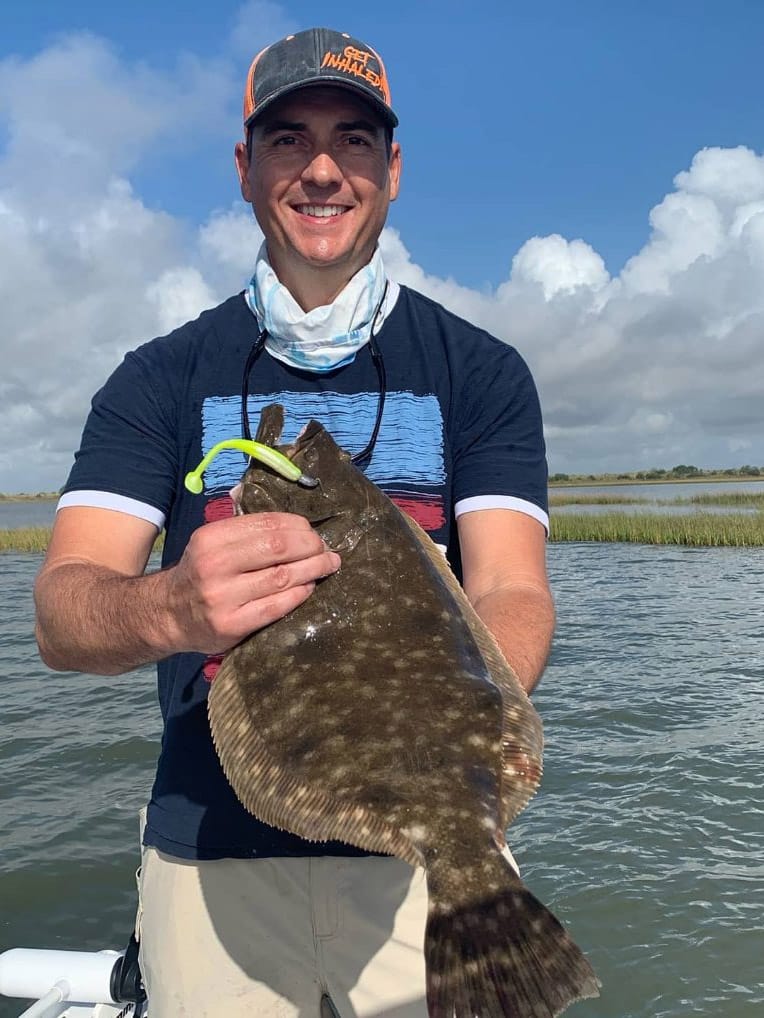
318	56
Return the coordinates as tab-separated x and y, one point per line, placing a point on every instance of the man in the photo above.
237	918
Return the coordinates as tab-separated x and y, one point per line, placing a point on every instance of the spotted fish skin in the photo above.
381	713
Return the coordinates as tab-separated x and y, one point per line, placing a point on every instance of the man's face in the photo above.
320	179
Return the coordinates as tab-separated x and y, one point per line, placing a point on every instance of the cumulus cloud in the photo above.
659	365
87	268
79	112
558	266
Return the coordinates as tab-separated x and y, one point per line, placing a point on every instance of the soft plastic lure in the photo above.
277	461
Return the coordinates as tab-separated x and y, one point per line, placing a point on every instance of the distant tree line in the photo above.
679	472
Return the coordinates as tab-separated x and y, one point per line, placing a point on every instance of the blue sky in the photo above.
584	180
516	118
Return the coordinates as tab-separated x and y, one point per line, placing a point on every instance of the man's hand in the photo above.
97	612
239	575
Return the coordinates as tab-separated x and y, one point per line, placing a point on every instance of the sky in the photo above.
585	181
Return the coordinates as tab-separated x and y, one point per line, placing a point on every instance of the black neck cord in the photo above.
257	346
362	458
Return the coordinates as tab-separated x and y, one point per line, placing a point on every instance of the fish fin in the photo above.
279	798
522	761
271	424
501	956
522	731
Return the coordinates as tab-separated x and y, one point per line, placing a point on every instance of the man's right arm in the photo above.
97	612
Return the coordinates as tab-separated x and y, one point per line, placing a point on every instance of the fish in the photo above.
381	712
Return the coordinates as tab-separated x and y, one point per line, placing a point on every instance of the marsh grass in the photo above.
695	529
584	499
721	498
708	530
36	539
40	496
737	498
25	539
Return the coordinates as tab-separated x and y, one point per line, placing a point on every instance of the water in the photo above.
41	513
649	498
647	836
14	515
667	490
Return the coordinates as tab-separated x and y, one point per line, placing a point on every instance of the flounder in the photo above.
380	712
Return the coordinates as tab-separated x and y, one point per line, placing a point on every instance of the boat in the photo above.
75	984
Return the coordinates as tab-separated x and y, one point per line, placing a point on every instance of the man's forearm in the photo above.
234	577
92	619
521	619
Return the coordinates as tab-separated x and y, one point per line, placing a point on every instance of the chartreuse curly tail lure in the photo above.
256	450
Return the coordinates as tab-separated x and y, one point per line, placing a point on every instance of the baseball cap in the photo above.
318	56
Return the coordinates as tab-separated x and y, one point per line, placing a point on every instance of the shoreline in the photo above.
697	530
575	481
608	481
43	496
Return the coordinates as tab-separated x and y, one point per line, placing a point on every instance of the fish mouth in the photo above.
304	443
271	425
309	433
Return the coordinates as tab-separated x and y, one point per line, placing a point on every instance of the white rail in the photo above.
47	1006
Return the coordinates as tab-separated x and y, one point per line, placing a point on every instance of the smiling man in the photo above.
237	918
320	172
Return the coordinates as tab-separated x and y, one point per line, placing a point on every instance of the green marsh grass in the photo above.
696	529
733	498
584	499
25	539
40	496
36	539
709	530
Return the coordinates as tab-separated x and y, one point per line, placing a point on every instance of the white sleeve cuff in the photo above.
519	505
117	503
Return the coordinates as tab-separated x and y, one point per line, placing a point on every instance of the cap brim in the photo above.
374	101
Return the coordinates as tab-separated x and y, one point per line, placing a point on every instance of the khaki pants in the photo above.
266	938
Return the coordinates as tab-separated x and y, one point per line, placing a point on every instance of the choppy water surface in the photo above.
647	836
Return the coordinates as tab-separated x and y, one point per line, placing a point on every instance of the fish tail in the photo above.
501	955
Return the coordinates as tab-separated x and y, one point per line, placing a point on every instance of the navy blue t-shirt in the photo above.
461	430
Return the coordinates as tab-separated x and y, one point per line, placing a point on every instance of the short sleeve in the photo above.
129	444
499	443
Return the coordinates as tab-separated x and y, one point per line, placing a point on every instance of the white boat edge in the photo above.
66	984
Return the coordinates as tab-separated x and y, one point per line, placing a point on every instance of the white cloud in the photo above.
258	23
664	364
178	296
647	422
87	268
229	238
740	445
77	115
559	266
661	365
686	227
729	176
